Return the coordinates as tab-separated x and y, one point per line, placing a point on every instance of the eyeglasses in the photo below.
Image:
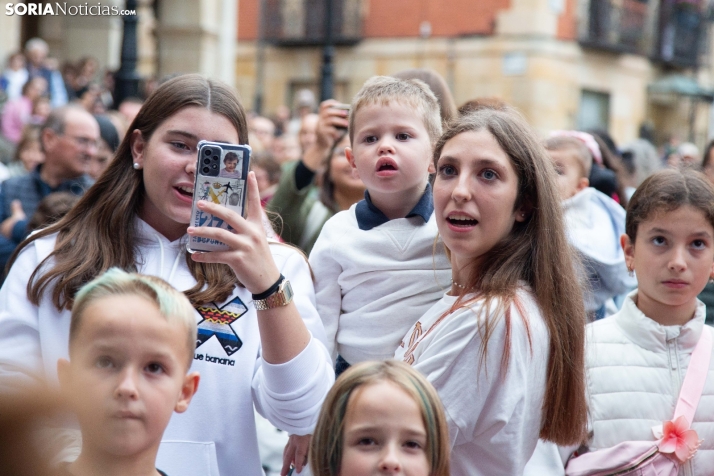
85	142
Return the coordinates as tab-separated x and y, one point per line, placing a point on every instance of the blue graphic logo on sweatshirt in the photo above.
217	322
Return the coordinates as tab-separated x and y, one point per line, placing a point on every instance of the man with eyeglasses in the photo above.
69	139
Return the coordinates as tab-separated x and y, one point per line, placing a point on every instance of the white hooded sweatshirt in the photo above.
217	435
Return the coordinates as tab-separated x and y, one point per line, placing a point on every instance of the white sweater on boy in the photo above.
494	418
216	435
371	285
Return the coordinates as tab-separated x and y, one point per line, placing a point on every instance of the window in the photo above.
594	111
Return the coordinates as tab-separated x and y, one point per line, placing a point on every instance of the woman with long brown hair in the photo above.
256	344
505	345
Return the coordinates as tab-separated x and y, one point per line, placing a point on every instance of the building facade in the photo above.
174	36
564	63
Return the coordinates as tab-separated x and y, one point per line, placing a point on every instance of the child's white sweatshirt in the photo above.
372	283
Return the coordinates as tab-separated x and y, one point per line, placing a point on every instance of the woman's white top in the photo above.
494	413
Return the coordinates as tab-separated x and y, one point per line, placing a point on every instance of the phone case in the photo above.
221	172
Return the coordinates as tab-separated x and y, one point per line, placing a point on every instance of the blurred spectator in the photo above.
129	108
4	172
262	129
36	51
28	154
708	161
41	109
150	85
69	139
69	75
267	173
481	103
18	112
14	76
119	121
88	97
304	103
87	68
286	148
108	145
53	207
642	161
437	85
688	154
611	162
707	294
303	205
307	131
281	120
107	87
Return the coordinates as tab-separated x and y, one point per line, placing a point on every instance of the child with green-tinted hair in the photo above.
381	417
131	344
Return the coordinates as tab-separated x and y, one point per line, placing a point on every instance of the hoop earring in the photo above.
137	166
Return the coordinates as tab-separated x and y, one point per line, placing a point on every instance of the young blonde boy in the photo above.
377	266
131	344
594	224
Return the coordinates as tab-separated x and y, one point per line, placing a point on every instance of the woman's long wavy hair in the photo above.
99	232
536	252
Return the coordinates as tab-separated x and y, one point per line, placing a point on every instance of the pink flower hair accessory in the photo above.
678	441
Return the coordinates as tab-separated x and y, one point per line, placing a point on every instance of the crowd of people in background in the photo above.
563	221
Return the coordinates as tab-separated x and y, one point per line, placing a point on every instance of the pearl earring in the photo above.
137	166
631	272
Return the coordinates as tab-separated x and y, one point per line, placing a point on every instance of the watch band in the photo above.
279	298
270	290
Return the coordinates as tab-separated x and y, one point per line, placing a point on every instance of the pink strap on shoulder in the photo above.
695	378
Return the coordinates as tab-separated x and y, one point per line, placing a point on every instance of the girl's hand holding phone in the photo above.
249	255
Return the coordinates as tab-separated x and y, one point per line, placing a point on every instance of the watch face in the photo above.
279	298
288	291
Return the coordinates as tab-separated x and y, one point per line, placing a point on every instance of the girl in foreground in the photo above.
381	418
637	358
504	346
136	217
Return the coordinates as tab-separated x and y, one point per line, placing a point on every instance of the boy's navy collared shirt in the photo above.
369	216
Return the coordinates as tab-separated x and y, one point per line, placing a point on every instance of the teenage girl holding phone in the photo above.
252	349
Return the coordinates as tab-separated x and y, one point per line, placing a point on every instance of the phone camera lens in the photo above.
215	166
207	161
206	170
208	152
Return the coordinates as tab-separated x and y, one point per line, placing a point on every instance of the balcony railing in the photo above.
682	29
617	25
668	31
302	22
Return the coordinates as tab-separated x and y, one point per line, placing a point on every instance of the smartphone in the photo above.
221	174
344	107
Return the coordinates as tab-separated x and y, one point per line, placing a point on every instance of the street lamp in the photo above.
328	53
127	78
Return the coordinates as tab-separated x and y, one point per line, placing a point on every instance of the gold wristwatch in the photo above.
279	298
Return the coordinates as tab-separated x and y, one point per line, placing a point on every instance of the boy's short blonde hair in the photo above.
577	147
172	304
382	90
